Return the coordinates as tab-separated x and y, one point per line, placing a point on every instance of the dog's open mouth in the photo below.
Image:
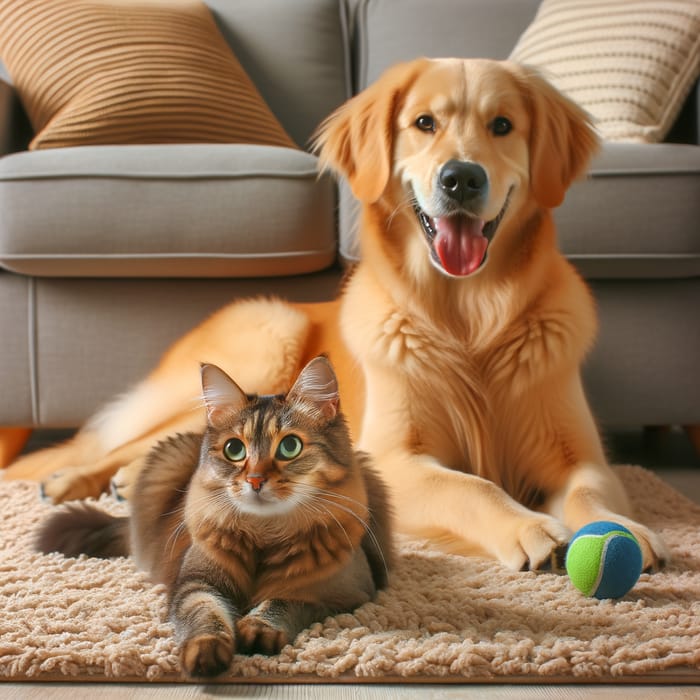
459	243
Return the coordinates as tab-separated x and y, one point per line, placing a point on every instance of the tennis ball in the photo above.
604	560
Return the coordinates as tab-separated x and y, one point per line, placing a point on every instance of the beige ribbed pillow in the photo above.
630	63
130	71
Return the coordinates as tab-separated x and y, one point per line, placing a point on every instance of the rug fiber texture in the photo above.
442	617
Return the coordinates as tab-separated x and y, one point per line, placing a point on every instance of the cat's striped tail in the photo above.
82	528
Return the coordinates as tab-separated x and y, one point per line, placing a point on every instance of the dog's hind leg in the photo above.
91	479
259	342
36	465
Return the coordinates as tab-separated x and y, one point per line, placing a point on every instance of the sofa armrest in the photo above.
15	130
687	126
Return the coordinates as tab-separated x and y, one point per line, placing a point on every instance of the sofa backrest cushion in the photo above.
389	31
296	54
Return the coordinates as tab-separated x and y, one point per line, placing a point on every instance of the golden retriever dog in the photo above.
457	340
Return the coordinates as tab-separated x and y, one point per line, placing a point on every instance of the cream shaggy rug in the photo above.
443	617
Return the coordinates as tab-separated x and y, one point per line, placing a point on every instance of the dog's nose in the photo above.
462	180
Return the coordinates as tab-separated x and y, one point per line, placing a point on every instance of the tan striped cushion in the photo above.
130	71
630	63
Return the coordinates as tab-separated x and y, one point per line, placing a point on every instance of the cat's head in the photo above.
269	455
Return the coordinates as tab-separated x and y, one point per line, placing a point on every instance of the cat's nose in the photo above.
256	481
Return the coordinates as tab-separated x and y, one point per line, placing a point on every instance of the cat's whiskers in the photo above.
313	513
320	494
313	490
174	535
208	500
217	502
365	524
367	528
323	509
309	513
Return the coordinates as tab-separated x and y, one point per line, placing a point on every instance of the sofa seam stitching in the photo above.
32	331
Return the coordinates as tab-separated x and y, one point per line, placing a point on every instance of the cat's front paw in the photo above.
258	636
207	655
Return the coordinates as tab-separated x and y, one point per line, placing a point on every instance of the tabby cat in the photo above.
263	524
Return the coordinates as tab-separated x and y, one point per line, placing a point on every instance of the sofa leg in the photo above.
12	440
693	432
654	435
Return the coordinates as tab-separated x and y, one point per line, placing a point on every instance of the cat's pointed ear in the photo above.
222	396
317	383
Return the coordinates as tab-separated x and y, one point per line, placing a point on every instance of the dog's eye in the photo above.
501	126
425	123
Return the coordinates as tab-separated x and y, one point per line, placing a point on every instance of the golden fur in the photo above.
464	387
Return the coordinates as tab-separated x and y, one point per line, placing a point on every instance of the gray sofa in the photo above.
107	254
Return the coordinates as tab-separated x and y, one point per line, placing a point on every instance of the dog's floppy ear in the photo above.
357	139
562	139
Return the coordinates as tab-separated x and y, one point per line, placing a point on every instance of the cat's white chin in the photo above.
266	506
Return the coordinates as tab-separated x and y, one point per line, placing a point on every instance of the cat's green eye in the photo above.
289	448
234	450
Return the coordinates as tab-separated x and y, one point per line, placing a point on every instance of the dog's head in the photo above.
462	147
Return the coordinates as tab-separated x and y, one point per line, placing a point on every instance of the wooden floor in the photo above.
50	691
670	456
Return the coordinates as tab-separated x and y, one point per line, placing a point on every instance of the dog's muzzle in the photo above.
459	242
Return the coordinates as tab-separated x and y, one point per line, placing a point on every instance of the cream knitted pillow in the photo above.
629	63
130	71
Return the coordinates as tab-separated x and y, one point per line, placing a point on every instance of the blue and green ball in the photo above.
604	560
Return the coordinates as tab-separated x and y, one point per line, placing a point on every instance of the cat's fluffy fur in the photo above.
252	550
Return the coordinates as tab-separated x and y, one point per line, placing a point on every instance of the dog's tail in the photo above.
82	528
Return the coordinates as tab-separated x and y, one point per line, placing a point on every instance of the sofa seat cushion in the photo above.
165	211
635	216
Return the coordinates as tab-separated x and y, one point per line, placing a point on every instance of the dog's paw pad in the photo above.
121	485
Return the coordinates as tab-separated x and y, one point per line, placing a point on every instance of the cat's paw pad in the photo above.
207	655
67	485
257	636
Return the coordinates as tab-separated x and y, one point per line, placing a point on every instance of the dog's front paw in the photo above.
69	485
121	485
655	554
537	543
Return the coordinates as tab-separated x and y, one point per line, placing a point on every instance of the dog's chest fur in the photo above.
455	381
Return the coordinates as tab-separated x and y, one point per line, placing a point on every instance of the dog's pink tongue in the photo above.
460	244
